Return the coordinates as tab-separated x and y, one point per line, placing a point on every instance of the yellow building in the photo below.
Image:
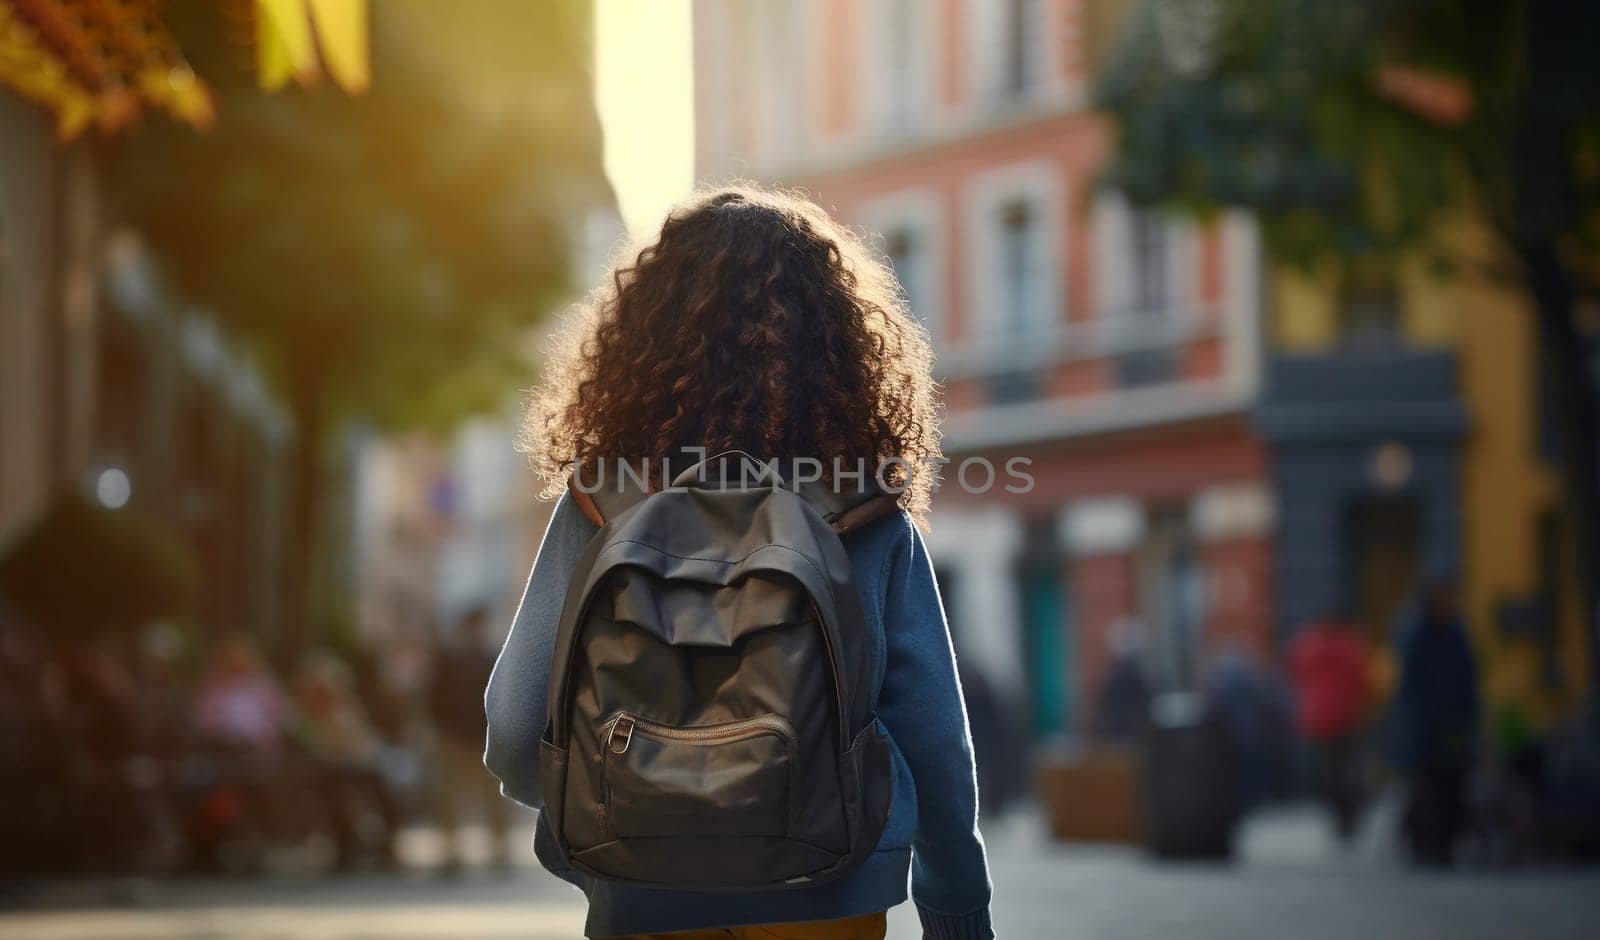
1403	410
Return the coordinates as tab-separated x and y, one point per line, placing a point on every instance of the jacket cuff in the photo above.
937	926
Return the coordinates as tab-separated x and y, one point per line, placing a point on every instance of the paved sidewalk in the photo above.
1290	880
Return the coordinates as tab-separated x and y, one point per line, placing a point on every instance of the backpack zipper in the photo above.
619	734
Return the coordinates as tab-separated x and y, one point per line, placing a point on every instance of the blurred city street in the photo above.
1288	872
1266	340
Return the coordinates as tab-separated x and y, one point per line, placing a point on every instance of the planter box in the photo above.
1093	796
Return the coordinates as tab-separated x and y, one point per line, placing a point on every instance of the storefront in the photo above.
1156	540
1366	457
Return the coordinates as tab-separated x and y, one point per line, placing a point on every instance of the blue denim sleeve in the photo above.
515	700
921	706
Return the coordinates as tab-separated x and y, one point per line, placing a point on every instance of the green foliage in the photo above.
383	251
1276	106
1356	128
81	569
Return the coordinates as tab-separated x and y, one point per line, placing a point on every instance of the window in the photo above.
1019	286
1152	267
1009	49
909	227
902	73
1020	306
899	60
1369	308
1151	291
778	72
1016	231
908	258
1018	59
1141	260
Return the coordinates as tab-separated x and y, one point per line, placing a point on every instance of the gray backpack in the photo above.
711	715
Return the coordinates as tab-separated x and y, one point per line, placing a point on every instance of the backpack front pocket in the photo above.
724	779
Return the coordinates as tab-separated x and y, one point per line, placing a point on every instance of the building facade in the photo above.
1409	444
1113	351
113	388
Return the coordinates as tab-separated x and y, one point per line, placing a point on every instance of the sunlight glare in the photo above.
644	88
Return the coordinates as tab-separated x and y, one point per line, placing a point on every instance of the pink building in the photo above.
1116	349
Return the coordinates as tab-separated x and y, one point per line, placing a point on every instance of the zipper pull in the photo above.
621	735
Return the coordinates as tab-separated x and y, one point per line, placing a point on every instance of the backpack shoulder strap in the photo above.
600	498
873	507
585	503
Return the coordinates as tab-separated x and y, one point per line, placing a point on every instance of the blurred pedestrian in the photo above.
333	728
994	743
255	790
1328	662
1122	708
239	704
164	690
1250	702
106	696
1436	716
331	721
460	675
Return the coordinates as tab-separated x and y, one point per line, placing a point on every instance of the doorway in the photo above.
1172	599
1047	648
1385	562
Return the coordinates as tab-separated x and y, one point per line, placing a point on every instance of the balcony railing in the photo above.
1127	334
1144	357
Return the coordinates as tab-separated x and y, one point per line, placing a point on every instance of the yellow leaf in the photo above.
283	44
342	33
181	93
74	112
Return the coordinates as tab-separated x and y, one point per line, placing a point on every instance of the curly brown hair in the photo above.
753	322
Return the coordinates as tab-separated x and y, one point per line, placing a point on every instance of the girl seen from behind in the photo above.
756	323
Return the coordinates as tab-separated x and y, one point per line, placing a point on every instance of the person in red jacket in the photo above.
1328	662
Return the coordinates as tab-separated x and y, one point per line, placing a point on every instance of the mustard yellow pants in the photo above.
865	927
